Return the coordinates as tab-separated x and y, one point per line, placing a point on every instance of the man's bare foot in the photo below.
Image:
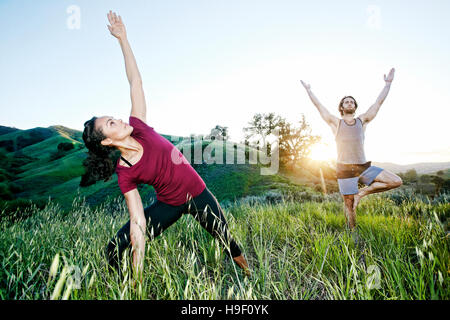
357	197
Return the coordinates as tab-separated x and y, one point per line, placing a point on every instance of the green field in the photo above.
296	250
293	236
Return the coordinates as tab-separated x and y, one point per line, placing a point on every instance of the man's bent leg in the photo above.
384	181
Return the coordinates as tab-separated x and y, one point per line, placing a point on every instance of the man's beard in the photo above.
352	111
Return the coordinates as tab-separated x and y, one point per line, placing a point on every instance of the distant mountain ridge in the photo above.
5	130
421	168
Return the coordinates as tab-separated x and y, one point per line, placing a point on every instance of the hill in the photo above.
4	130
34	168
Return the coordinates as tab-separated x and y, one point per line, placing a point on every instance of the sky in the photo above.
217	62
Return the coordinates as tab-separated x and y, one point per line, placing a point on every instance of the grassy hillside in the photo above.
34	169
296	250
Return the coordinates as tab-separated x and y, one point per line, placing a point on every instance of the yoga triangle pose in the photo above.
148	158
351	165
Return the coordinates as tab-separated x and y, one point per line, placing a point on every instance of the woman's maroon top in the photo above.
162	166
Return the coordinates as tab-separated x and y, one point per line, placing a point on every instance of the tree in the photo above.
295	142
65	146
261	126
411	176
425	178
439	183
218	133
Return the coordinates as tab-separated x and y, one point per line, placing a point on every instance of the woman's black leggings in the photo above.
159	216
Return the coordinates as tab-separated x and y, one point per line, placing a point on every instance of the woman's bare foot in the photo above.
242	263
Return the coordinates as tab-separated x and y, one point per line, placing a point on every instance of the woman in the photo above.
147	157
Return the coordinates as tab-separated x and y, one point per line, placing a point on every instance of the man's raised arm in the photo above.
373	110
324	113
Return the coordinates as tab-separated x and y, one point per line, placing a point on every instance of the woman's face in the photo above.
114	129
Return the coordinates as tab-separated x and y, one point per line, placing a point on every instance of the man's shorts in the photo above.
350	185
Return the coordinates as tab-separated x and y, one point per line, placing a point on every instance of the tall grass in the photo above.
296	249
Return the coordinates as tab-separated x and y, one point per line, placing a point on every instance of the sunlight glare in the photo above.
323	152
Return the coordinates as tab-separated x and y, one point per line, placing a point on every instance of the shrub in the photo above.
15	188
5	192
65	146
8	145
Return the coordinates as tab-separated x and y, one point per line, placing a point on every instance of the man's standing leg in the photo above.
349	188
350	214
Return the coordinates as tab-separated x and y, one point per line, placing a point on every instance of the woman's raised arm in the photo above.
138	106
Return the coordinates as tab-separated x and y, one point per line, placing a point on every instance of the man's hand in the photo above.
324	113
390	76
117	28
373	110
307	86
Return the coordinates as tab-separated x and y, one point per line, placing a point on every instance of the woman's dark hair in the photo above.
341	108
101	161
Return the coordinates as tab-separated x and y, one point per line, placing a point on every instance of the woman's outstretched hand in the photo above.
307	86
390	76
117	28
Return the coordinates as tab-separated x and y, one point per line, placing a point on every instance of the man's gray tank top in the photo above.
350	142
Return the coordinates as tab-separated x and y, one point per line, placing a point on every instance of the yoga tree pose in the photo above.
351	166
148	158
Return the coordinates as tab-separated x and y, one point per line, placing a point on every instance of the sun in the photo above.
322	152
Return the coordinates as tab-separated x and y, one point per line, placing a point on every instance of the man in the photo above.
351	166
